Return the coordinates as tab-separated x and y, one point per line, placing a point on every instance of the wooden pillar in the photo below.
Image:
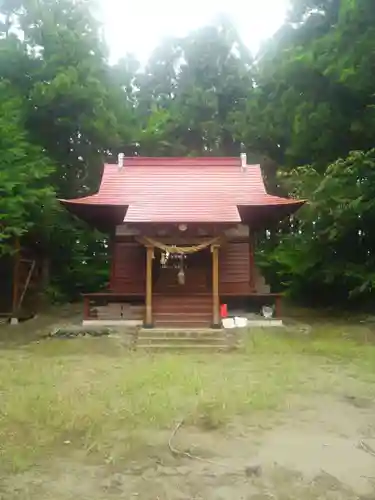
278	312
215	287
112	250
251	263
149	257
86	307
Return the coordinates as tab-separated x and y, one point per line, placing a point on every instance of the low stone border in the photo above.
72	331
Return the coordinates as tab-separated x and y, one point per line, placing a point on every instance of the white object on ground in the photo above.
267	312
228	323
240	322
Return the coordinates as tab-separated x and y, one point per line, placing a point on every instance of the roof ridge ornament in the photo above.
243	157
120	160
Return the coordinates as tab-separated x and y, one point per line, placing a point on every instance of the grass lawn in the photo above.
89	399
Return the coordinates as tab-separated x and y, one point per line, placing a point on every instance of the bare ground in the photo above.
318	444
313	452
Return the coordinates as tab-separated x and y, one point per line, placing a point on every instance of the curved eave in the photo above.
98	215
259	216
105	217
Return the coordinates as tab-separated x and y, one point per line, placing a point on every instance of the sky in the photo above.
138	26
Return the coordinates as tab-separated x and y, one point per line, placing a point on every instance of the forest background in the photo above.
304	108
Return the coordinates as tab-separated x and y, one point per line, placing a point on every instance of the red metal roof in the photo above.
182	210
182	189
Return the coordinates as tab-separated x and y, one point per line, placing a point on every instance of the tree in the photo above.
24	169
314	91
73	113
305	107
75	110
190	90
328	254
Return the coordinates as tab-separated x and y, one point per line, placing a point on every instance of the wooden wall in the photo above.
234	268
235	272
128	270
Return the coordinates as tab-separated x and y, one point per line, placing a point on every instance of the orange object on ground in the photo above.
224	310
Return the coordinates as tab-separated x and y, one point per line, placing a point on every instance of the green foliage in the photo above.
314	108
329	247
305	106
68	111
24	167
79	262
190	91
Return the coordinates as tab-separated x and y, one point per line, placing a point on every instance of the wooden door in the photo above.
197	272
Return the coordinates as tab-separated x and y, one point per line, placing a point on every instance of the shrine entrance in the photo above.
182	273
182	280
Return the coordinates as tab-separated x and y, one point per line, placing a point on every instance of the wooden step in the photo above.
182	322
182	300
177	296
182	319
166	307
181	310
189	318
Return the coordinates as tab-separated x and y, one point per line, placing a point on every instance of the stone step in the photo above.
182	331
185	347
182	324
181	334
182	321
181	340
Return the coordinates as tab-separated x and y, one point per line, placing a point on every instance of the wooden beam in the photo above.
179	240
27	283
215	286
149	258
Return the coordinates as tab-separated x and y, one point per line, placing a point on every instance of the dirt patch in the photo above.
313	452
324	441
